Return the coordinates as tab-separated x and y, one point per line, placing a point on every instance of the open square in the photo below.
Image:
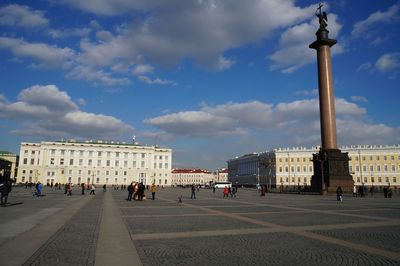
278	229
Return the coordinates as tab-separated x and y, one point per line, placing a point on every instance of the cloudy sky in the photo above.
211	79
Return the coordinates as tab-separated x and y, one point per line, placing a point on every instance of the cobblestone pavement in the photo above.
279	229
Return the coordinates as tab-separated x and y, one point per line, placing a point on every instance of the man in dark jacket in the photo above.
5	190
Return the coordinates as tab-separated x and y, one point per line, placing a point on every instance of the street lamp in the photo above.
322	161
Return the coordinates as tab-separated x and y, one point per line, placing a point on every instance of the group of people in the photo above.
136	191
229	191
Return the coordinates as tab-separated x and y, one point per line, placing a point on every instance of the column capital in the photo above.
322	39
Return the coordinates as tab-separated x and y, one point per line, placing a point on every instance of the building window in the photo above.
134	164
98	162
125	163
62	161
71	153
79	180
155	165
99	153
393	168
379	179
364	168
377	157
70	172
80	162
387	179
116	172
280	169
116	163
378	168
125	173
286	169
90	153
108	163
371	168
142	164
143	155
394	179
386	168
81	153
165	181
117	154
51	160
90	162
32	161
97	180
89	172
71	161
358	179
53	152
62	152
79	171
107	172
385	158
365	180
160	165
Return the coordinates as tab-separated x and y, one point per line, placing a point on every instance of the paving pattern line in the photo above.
283	229
114	243
308	234
205	214
333	212
22	247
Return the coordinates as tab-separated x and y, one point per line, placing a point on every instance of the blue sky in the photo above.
210	79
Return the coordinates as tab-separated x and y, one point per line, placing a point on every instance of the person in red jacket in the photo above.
226	191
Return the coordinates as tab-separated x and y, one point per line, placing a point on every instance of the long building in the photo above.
194	176
97	162
370	165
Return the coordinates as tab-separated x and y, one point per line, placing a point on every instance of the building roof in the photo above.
7	153
190	171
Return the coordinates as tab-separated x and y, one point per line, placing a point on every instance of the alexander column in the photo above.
331	166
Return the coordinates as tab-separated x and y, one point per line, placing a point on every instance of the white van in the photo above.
222	184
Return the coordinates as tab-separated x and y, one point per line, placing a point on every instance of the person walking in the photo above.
104	188
5	189
69	189
226	192
130	192
153	190
92	190
83	188
339	193
141	189
193	195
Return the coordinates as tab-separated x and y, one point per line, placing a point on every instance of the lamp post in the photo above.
322	161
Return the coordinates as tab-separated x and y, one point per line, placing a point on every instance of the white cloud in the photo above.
47	55
176	30
363	26
66	33
364	67
361	99
388	62
257	123
293	51
46	111
143	69
21	16
82	72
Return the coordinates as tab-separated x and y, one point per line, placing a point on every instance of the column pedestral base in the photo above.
331	170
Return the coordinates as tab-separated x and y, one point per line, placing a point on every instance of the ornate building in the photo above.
97	162
370	165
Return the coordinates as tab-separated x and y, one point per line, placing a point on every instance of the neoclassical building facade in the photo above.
370	165
98	162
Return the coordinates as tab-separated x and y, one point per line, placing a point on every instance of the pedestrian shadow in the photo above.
11	204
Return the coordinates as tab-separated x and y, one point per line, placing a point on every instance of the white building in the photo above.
99	162
370	165
184	177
